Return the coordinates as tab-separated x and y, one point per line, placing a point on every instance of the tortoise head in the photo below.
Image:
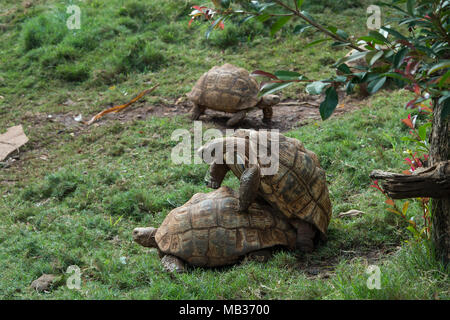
145	237
231	150
269	100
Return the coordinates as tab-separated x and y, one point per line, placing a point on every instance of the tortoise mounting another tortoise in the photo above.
298	189
210	231
230	89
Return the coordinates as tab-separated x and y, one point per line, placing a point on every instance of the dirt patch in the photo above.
325	268
288	114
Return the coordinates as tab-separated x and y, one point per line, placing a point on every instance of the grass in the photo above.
80	205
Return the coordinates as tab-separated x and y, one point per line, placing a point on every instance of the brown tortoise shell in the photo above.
210	231
299	188
226	88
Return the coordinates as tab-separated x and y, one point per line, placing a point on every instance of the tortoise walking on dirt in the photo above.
209	231
230	89
297	188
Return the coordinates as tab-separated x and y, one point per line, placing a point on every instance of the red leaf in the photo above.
416	89
390	202
264	74
408	123
199	8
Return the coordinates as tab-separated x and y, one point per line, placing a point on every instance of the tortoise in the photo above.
230	89
297	188
209	231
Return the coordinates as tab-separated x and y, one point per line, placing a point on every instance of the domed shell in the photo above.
227	88
210	231
299	188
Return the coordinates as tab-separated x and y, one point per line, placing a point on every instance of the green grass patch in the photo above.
80	205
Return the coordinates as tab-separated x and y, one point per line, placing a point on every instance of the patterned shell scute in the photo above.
209	230
299	187
226	88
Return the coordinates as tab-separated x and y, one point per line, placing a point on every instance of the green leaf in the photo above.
301	28
344	69
342	34
376	84
422	133
375	57
405	207
439	66
211	28
395	33
316	42
329	104
288	75
444	79
272	87
299	3
378	36
370	39
316	87
263	17
399	56
225	3
279	24
410	7
306	14
396	76
354	56
332	29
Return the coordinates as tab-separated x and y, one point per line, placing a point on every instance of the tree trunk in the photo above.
440	151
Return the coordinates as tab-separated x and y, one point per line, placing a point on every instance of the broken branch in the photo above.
121	107
433	182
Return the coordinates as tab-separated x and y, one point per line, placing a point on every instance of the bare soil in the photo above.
287	115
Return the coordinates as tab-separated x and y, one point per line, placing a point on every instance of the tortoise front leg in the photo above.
238	117
268	114
173	264
197	111
248	190
217	172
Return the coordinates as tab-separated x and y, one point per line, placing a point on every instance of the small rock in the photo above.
350	213
44	282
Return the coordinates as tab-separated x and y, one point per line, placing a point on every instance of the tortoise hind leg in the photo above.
197	111
305	237
173	264
248	190
236	118
262	255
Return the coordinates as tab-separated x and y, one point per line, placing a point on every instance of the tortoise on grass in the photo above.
297	188
209	231
230	89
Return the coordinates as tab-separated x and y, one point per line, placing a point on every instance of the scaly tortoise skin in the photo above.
230	89
209	230
298	189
